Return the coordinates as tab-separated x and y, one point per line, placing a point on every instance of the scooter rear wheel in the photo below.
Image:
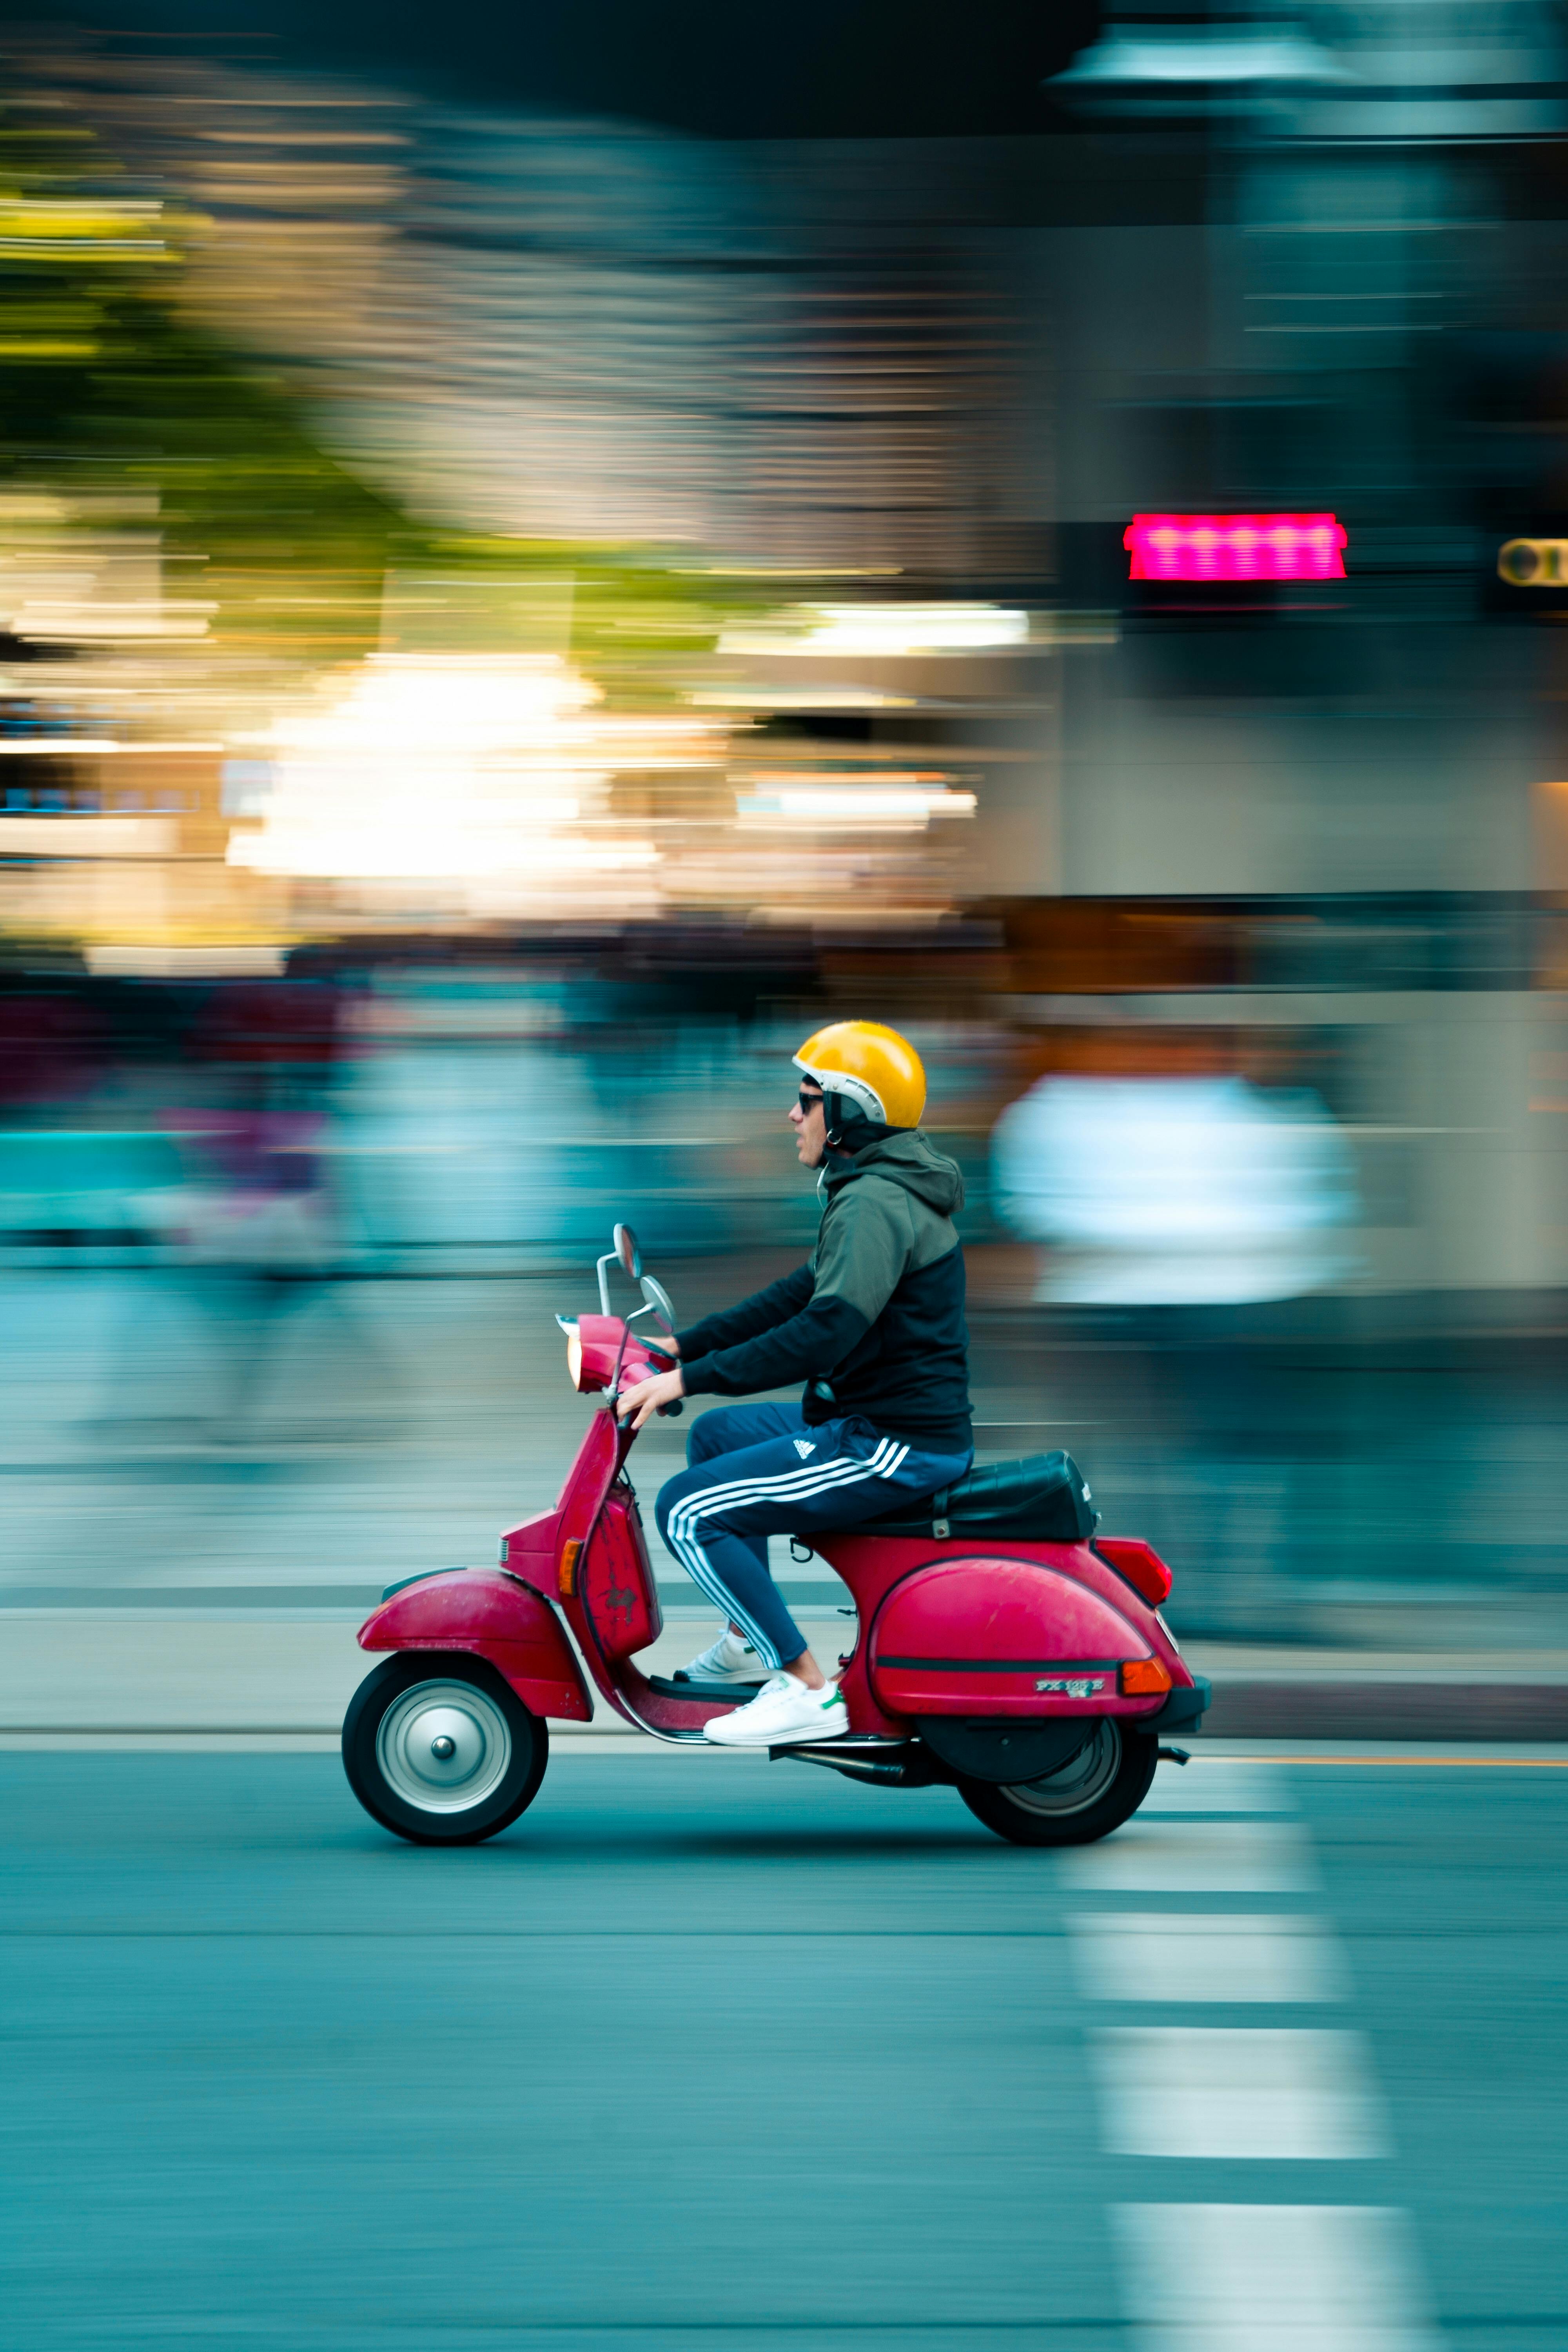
439	1747
1084	1798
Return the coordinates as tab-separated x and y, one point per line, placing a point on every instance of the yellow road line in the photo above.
1464	1763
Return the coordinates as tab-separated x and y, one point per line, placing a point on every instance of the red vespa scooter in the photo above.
1002	1649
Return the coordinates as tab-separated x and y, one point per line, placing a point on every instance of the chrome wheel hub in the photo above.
1081	1781
443	1746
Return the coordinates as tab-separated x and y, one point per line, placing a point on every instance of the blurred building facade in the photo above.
510	619
1290	830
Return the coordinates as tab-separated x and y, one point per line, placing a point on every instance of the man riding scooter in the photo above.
874	1326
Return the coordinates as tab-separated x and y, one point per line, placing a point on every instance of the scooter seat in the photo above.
1042	1498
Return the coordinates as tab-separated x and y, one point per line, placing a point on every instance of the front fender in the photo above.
490	1616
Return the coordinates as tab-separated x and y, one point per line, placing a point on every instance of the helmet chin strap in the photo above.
846	1126
839	1112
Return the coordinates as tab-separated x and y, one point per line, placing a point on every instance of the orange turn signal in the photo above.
566	1572
1145	1677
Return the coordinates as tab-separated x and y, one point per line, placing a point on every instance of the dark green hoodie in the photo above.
874	1324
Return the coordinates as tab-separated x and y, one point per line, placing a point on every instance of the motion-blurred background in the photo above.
538	563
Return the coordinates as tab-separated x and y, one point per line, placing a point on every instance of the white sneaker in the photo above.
783	1714
730	1659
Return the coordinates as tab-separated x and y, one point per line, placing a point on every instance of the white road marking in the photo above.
1208	1785
1271	2278
1227	2091
1180	1956
1191	1857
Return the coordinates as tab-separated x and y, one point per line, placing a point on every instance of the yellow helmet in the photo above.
877	1071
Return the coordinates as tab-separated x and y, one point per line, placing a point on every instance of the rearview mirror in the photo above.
625	1243
659	1298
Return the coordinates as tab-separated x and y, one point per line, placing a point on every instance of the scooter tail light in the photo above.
1145	1677
1139	1563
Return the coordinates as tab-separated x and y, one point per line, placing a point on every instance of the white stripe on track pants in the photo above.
759	1470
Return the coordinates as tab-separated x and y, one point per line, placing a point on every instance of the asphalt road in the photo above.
709	2052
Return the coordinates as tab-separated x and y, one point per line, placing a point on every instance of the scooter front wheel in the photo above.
439	1747
1084	1798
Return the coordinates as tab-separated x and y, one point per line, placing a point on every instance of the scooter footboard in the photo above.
492	1616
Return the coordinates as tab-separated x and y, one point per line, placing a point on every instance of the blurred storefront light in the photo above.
1182	67
55	747
69	836
35	228
63	624
1533	562
1235	547
487	773
797	697
905	800
1381	70
886	630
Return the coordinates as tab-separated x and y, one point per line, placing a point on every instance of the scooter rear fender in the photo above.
985	1635
491	1615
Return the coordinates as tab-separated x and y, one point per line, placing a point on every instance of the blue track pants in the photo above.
758	1470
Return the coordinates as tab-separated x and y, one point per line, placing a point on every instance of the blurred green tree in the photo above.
109	390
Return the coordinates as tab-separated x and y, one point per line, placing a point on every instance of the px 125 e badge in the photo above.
1072	1685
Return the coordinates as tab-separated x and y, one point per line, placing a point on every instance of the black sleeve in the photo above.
806	1347
776	1304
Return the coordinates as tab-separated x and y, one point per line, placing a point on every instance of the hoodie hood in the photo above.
909	1159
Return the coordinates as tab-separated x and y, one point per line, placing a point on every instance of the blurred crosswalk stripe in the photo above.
1236	2091
1210	1857
1213	1785
1271	2278
1205	1956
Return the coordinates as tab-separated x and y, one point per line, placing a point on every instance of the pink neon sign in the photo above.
1235	547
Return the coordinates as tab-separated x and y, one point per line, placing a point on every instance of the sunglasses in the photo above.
809	1101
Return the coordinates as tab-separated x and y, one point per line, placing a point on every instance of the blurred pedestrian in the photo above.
254	1231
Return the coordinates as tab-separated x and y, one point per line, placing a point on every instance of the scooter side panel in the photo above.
492	1616
617	1582
989	1637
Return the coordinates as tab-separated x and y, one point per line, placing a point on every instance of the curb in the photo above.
1387	1710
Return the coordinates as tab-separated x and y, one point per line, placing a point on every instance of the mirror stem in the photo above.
609	1259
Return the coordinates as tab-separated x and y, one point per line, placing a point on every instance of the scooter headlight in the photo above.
574	1349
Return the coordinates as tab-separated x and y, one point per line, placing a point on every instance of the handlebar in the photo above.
652	1362
655	1359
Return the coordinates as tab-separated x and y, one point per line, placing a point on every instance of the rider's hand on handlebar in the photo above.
649	1397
